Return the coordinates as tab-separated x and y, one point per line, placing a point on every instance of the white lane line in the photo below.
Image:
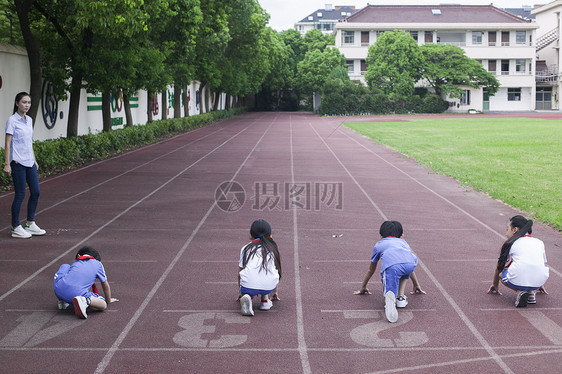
102	365
116	176
466	361
528	308
303	350
448	297
56	259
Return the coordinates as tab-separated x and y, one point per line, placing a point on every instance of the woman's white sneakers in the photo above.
27	232
33	229
20	233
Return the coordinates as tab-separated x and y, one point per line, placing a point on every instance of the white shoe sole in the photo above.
80	307
246	306
390	307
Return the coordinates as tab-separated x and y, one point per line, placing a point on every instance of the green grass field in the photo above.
515	160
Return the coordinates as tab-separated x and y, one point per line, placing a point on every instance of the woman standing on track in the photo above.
522	263
259	268
19	161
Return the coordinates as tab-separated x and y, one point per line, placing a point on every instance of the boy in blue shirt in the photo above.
397	266
72	283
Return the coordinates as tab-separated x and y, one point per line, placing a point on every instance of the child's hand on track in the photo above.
364	291
417	290
542	290
493	290
275	296
113	300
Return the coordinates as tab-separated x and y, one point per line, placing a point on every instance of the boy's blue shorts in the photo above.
254	292
391	276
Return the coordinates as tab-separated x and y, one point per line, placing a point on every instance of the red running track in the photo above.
171	256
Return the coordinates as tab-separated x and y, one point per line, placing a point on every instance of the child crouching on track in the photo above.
72	283
522	263
397	265
259	269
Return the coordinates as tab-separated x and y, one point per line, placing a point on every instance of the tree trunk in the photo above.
33	55
164	104
128	115
217	101
106	110
202	97
186	99
74	106
177	101
149	106
227	103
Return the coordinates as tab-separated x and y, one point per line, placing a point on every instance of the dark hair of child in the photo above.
261	232
525	227
88	251
18	99
391	228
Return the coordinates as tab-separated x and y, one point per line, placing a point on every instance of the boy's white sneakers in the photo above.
246	305
80	306
63	305
390	307
20	233
401	301
33	229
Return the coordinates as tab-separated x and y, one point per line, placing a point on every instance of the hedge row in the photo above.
63	154
347	98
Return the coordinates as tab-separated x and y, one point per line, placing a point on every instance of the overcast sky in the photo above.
285	13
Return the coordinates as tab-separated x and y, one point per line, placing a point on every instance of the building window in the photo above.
520	37
348	37
491	38
324	26
350	66
363	67
505	67
465	99
477	37
520	66
505	38
429	37
514	94
364	38
414	35
492	66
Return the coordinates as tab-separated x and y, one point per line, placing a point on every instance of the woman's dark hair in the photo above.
261	230
391	228
88	251
525	226
18	98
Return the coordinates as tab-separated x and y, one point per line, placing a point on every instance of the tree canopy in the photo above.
446	68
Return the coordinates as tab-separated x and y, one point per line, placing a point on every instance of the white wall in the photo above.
14	78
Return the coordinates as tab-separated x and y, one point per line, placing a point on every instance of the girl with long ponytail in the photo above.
259	268
522	264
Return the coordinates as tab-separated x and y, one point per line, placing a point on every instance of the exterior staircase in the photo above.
548	38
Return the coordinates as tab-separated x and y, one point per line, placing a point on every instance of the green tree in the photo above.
393	64
210	46
316	39
10	32
446	68
315	68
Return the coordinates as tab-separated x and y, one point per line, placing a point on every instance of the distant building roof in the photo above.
524	12
330	13
433	14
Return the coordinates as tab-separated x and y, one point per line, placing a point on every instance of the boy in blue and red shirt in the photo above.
397	266
72	283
